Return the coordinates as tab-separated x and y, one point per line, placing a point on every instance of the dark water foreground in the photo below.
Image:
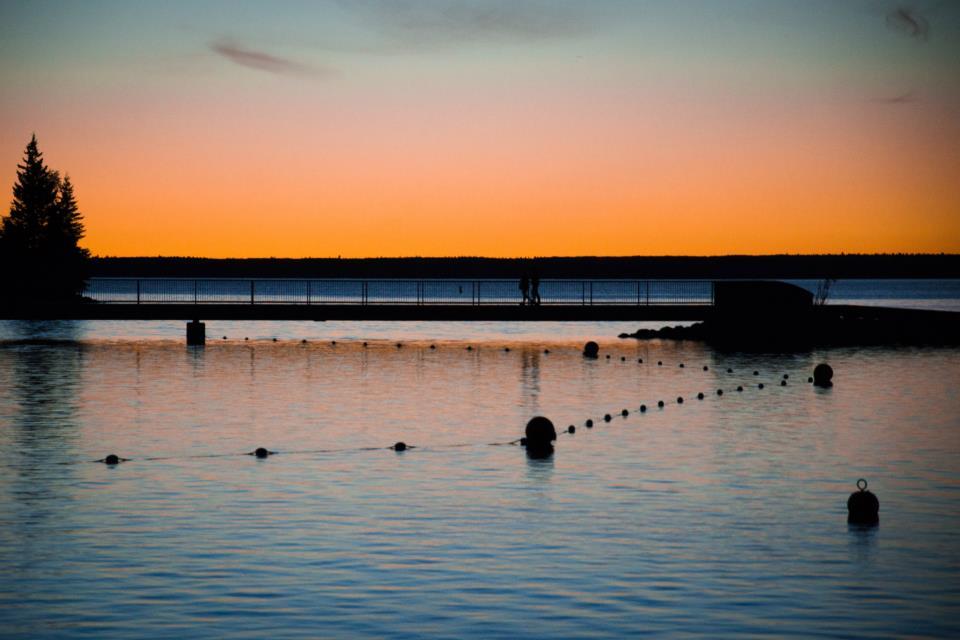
715	518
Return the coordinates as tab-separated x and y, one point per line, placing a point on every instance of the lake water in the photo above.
712	518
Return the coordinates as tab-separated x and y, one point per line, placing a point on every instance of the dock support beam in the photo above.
196	334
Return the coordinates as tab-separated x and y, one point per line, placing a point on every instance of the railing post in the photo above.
138	291
251	292
195	292
309	290
638	293
648	293
591	293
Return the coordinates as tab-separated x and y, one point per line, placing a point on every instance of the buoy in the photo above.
756	373
729	370
783	383
706	368
540	436
591	350
810	379
659	363
608	356
607	417
400	446
760	386
246	338
364	344
739	388
506	349
679	399
719	392
623	358
660	403
624	413
786	376
333	342
399	345
643	408
112	459
862	506
640	360
571	429
260	452
224	337
589	423
304	341
823	375
433	346
681	365
546	350
274	339
700	396
469	348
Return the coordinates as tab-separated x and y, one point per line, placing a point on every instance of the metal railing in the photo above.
395	292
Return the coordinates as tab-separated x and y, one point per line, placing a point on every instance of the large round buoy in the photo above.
591	350
112	459
862	506
540	436
400	446
260	452
823	375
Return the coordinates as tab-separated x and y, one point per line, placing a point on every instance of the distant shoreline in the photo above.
851	266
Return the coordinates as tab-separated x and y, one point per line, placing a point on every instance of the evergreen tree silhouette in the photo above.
39	249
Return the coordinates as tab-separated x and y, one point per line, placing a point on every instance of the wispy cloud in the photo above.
906	97
909	22
262	61
431	23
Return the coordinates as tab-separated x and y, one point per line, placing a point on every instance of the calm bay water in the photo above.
711	518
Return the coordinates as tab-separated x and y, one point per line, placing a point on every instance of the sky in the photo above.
363	128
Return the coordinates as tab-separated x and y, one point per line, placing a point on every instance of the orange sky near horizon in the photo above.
473	155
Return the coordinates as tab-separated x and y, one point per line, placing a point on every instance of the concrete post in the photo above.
196	334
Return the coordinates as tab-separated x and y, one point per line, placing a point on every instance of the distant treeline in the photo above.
776	266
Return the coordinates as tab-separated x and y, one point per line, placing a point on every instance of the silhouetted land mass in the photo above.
722	267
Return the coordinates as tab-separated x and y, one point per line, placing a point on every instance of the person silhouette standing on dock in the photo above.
524	289
535	290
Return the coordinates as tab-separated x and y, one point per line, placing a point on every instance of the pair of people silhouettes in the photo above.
530	290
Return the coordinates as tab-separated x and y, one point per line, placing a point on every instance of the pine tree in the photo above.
39	250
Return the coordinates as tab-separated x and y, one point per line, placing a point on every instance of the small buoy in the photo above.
810	379
469	348
739	388
591	350
659	363
643	408
760	386
540	436
862	506
112	459
660	403
608	356
274	339
400	446
640	360
506	349
224	337
700	396
681	365
783	383
679	399
706	368
719	392
304	341
729	370
589	423
260	452
623	358
546	350
823	375
786	376
246	338
399	345
333	342
433	346
756	373
364	344
607	417
624	413
571	429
